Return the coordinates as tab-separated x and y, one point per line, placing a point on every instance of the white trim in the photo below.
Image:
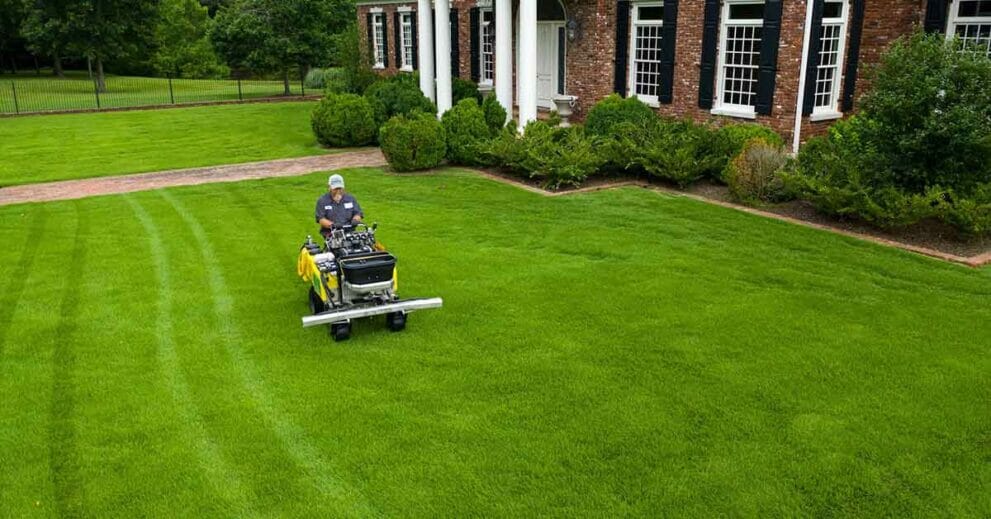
840	55
800	104
631	86
482	81
825	116
720	107
954	18
404	9
378	24
405	19
363	3
732	112
375	10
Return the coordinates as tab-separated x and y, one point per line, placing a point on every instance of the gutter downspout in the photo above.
801	78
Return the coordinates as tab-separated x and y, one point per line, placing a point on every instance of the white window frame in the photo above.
832	111
635	22
719	107
378	39
406	22
485	27
955	19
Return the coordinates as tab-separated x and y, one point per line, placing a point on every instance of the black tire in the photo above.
340	331
396	321
316	304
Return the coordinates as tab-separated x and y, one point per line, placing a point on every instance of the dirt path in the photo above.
71	189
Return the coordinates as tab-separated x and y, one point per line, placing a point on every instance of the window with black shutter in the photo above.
853	54
707	63
622	43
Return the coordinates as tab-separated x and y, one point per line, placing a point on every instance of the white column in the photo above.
425	47
526	67
442	36
504	55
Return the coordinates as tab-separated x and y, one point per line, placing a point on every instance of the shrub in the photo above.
412	142
353	59
462	89
495	114
316	78
932	113
729	140
398	95
614	110
558	156
665	148
754	174
466	131
343	120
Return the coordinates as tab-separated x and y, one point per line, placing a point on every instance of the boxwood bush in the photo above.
412	142
495	114
342	120
398	95
462	89
729	141
613	110
466	132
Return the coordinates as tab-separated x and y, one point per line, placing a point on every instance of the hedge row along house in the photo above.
794	65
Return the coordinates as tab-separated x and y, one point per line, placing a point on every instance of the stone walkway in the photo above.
71	189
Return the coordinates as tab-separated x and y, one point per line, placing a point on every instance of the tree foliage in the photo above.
182	42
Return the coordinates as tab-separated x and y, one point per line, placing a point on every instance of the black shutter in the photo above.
396	27
669	36
815	48
371	37
622	46
415	42
768	70
853	54
560	60
476	35
707	65
455	47
935	16
385	41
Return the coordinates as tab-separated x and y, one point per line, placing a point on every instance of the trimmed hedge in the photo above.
613	110
398	95
342	120
466	132
412	142
557	156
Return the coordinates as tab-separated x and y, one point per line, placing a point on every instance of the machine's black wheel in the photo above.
396	321
316	304
340	331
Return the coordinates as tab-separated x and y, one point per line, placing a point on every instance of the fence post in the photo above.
96	92
240	97
171	94
13	88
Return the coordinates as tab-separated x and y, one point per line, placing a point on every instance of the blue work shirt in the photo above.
340	213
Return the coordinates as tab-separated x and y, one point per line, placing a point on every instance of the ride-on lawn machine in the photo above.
353	276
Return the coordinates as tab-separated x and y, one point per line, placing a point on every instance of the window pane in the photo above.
653	12
832	10
746	11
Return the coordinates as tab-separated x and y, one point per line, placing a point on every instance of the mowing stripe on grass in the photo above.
304	454
63	463
225	481
15	287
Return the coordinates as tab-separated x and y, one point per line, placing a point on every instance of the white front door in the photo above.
547	63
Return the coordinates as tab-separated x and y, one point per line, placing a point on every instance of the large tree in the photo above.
106	29
182	42
279	35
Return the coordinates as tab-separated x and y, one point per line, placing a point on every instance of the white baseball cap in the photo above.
336	181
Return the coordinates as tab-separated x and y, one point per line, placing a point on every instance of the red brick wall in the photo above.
590	58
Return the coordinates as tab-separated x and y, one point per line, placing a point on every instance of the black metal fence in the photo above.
27	94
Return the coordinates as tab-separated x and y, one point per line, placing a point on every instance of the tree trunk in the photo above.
101	80
13	65
89	67
285	81
57	66
37	69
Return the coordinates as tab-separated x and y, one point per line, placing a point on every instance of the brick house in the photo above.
761	60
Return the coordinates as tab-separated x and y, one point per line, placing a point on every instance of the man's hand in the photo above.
356	218
325	223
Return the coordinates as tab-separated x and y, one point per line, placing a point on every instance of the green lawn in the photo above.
25	93
61	147
612	353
